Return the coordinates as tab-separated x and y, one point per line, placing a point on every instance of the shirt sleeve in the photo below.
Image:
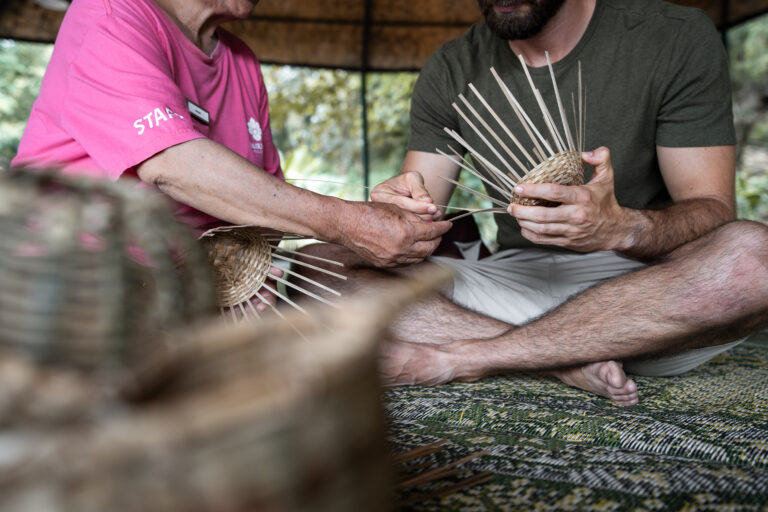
431	109
695	109
122	104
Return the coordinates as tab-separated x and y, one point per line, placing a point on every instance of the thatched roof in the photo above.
396	34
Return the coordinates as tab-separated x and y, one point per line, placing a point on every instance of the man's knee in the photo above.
746	244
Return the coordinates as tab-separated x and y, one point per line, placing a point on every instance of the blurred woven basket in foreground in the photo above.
92	273
235	418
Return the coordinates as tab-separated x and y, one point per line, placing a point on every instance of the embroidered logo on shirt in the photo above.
254	128
154	118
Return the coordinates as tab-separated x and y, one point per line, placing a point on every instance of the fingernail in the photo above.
432	209
518	189
509	209
588	154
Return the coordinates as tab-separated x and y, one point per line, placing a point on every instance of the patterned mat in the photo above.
695	442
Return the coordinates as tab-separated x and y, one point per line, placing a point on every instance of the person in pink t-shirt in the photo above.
156	90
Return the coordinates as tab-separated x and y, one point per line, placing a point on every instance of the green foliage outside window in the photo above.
21	70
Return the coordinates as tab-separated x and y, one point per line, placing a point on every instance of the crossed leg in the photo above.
708	292
438	320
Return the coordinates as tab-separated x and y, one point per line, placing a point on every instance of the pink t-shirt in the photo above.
124	83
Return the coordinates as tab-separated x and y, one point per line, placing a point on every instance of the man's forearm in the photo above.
653	233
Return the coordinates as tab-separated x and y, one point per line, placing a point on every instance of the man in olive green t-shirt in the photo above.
658	96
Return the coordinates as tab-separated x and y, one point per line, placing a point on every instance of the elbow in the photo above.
155	174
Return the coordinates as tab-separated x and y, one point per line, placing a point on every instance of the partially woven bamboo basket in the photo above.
565	168
242	257
554	160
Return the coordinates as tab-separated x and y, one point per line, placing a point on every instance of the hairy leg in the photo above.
434	320
438	320
710	291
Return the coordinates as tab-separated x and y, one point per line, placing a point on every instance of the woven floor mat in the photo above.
697	441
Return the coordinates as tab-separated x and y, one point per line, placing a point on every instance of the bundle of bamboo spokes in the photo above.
557	160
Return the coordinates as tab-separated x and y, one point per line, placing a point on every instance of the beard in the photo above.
526	22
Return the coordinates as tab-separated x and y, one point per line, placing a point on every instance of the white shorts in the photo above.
519	285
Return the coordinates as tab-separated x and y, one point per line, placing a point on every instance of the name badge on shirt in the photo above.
199	113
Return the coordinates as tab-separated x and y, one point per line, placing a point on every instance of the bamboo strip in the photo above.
507	179
306	292
312	281
474	172
576	123
319	269
497	138
566	128
489	166
549	122
419	451
482	210
480	478
522	116
253	308
279	314
584	140
493	175
309	256
283	297
473	191
536	94
438	472
581	111
482	137
503	126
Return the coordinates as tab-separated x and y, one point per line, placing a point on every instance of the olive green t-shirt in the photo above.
655	74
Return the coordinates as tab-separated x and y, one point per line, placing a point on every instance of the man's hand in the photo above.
407	191
588	219
388	236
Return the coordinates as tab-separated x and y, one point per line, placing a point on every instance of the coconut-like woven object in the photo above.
554	160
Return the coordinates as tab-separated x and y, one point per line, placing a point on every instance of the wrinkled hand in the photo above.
407	191
388	236
426	364
588	219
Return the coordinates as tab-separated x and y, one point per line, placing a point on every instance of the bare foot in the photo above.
606	378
